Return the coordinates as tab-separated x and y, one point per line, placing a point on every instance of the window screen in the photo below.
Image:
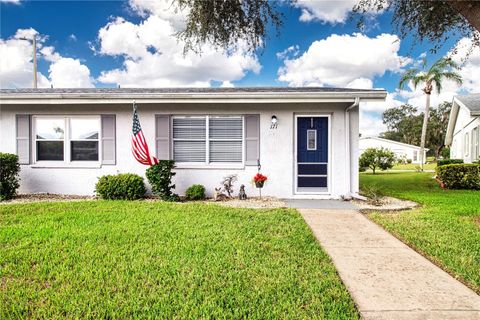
208	139
189	139
225	138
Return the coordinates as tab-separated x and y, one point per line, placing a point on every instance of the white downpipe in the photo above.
347	144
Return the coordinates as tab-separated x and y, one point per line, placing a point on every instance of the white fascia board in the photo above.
191	98
394	142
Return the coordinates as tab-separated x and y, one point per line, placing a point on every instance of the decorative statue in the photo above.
241	194
218	195
228	184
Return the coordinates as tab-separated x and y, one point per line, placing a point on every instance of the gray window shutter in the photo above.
23	138
108	139
162	137
252	139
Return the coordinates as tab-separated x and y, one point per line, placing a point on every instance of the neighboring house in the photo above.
463	132
67	138
401	150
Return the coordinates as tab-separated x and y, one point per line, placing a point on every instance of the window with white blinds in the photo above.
208	139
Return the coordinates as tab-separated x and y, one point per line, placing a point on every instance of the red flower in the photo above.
259	178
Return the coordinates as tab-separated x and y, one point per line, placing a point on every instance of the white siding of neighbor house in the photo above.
276	148
398	149
463	141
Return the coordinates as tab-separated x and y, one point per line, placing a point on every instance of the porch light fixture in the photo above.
274	122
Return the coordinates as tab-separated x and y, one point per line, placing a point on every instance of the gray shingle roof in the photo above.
471	101
184	90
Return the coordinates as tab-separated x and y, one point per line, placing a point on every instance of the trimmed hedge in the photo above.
125	186
9	181
195	192
444	162
459	176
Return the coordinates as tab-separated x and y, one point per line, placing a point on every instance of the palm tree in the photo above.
442	69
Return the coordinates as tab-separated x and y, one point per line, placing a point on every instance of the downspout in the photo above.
347	144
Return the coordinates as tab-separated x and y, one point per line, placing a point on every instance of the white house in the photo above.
67	138
463	132
401	150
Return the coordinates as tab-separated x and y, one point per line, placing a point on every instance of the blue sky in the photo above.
107	43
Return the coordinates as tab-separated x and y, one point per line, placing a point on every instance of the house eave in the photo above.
119	98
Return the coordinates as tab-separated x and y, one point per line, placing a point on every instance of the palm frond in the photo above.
453	76
407	76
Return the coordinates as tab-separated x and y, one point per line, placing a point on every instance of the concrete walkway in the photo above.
386	278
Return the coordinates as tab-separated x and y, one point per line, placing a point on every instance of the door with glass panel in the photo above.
312	154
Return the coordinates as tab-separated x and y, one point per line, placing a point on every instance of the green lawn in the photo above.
446	228
413	166
100	259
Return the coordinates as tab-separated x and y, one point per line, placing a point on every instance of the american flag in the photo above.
139	144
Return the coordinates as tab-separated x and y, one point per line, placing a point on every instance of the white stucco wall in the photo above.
397	149
276	148
462	146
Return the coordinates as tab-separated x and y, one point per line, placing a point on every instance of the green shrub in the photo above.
377	158
431	159
9	180
160	177
409	161
125	186
459	176
445	153
195	192
444	162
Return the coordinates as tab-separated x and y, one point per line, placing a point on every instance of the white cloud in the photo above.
154	58
325	10
371	124
360	83
340	60
10	1
470	70
291	51
373	106
72	37
16	65
70	73
164	9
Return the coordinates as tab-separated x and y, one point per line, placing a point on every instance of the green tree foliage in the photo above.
377	158
435	21
404	124
430	78
225	24
437	128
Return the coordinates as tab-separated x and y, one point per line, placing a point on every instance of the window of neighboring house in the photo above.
466	145
415	155
66	139
208	139
475	143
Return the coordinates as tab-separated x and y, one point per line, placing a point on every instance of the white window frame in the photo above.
207	163
466	144
475	143
66	142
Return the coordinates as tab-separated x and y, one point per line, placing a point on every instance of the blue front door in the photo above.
312	154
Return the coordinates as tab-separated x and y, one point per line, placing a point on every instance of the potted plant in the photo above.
259	180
